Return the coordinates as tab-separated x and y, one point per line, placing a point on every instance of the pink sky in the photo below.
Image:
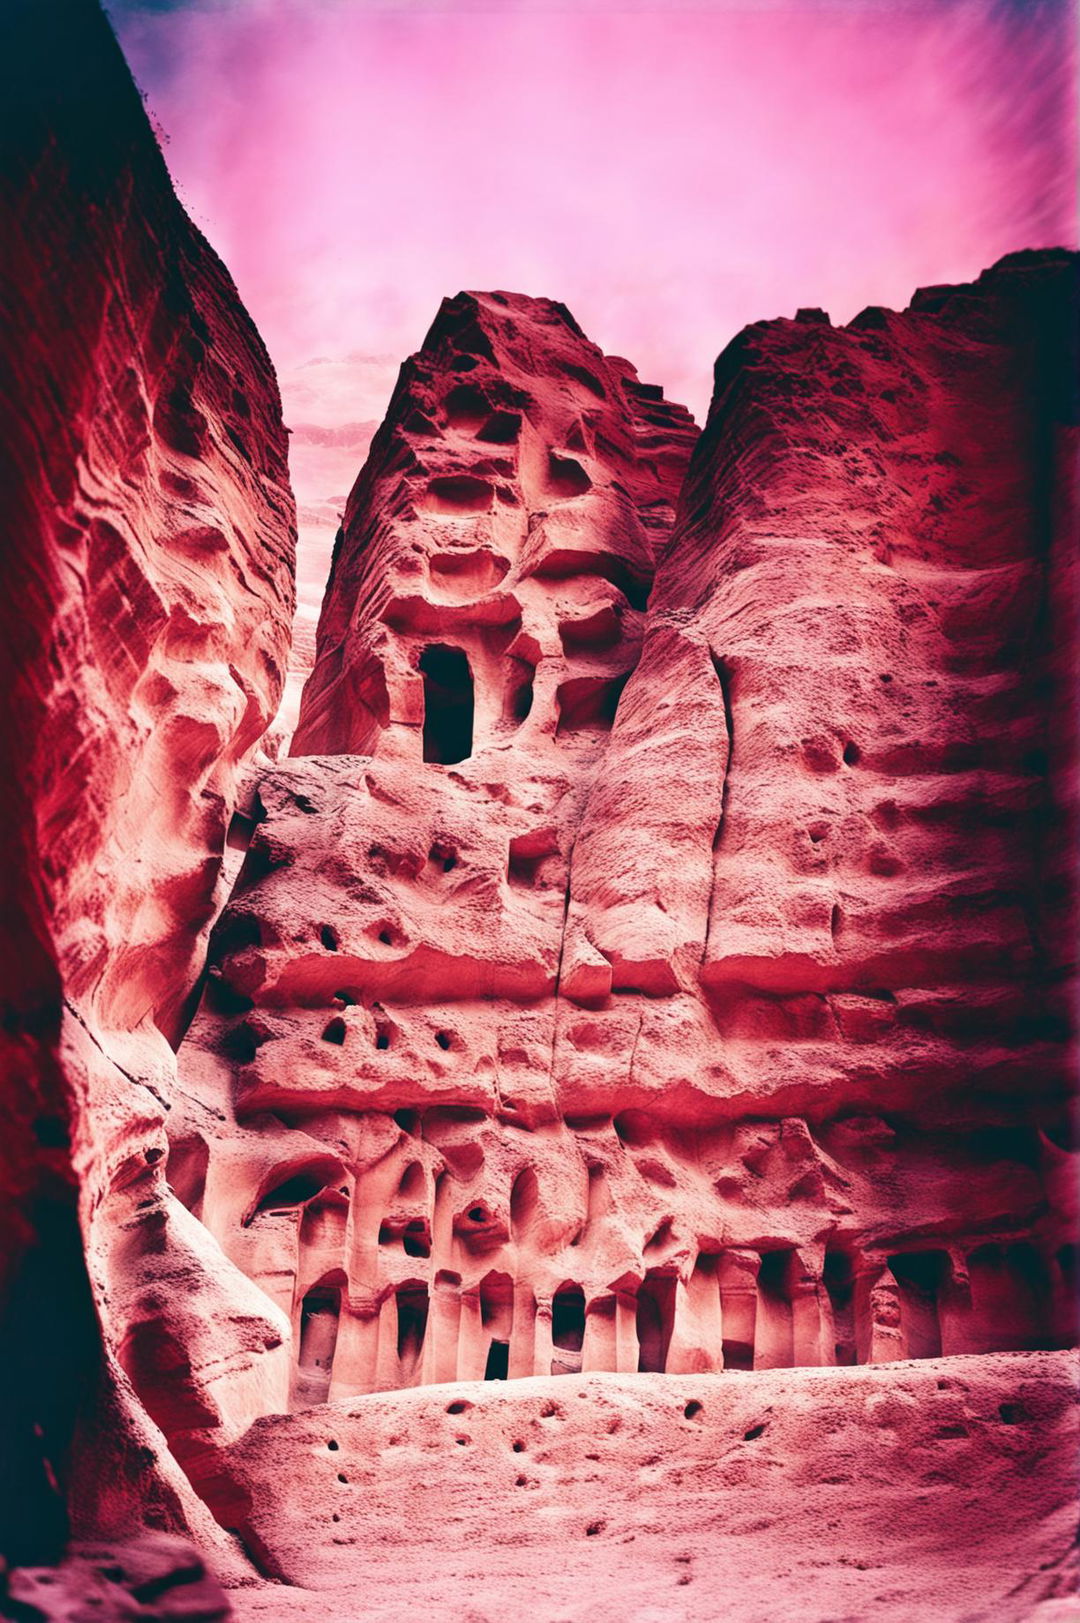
670	173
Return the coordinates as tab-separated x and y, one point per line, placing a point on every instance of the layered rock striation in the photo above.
661	967
150	532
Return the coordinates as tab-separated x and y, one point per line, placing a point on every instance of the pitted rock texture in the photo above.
499	544
721	1023
941	1490
150	533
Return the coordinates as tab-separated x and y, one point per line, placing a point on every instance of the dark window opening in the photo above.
839	1284
568	1318
497	1367
334	1031
412	1315
738	1355
919	1275
519	691
296	1190
448	704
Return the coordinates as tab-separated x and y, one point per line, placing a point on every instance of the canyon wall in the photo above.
663	965
150	535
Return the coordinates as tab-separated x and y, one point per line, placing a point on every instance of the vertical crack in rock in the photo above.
723	676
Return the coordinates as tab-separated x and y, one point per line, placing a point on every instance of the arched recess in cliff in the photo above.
319	1317
448	704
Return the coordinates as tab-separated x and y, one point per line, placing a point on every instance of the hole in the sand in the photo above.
459	1406
852	754
754	1432
594	1528
332	1446
329	937
443	1039
692	1408
334	1031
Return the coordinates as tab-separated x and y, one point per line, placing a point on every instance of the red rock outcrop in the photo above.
665	968
150	532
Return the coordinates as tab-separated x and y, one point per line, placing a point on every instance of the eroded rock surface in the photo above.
149	538
661	967
941	1490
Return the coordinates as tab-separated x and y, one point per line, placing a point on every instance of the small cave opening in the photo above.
655	1321
294	1188
920	1275
497	1367
412	1317
448	704
588	703
568	1318
414	1239
518	701
497	1323
840	1288
318	1332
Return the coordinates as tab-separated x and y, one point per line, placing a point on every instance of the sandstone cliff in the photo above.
150	534
664	965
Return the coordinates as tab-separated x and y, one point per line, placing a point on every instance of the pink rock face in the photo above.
680	988
150	534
